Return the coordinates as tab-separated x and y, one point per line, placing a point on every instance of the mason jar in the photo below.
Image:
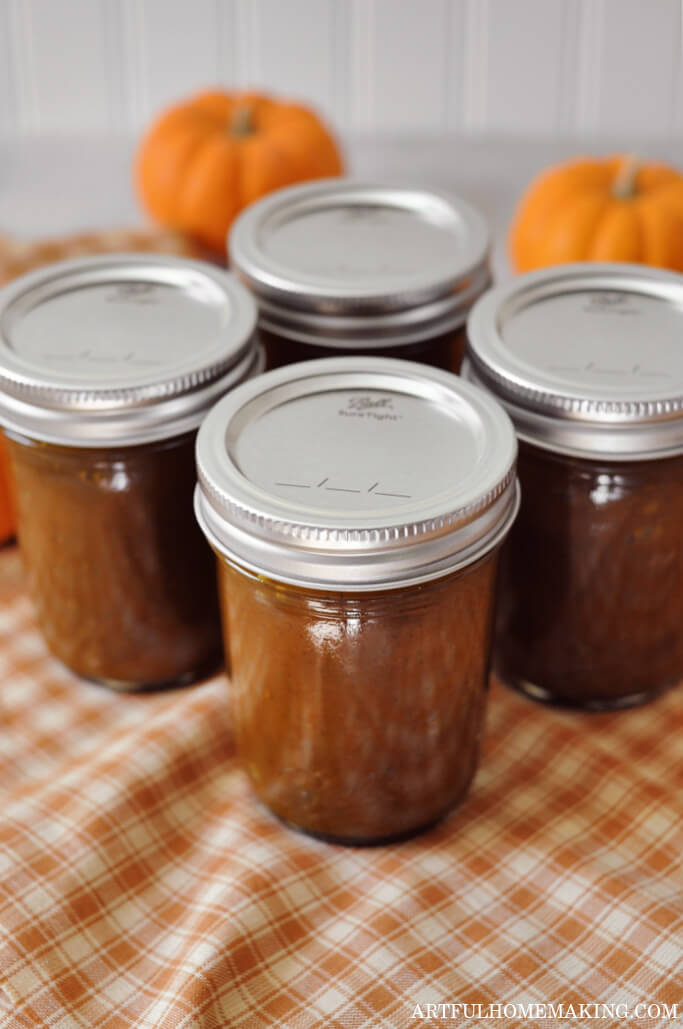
341	267
356	507
587	360
107	366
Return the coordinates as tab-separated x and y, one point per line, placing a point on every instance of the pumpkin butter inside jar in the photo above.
342	267
356	506
107	366
588	361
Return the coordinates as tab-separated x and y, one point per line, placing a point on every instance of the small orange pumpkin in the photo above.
611	209
207	158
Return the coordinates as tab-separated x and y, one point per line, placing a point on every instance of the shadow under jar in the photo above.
356	507
348	268
587	359
107	366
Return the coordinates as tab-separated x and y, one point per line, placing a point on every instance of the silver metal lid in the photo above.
355	474
121	349
586	358
372	264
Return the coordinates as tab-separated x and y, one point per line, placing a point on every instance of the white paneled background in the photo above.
538	68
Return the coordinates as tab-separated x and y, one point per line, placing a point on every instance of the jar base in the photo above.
357	841
381	840
203	671
600	704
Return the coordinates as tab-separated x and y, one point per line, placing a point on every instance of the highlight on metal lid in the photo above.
356	473
587	358
123	348
339	258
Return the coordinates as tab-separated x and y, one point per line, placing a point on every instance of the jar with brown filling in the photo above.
107	366
123	585
591	557
348	268
356	507
588	362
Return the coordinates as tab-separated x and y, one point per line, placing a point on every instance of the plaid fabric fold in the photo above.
142	885
18	256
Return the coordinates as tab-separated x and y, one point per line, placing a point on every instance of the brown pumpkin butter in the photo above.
591	581
121	577
358	717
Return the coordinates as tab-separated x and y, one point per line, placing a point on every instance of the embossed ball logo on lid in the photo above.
379	408
607	299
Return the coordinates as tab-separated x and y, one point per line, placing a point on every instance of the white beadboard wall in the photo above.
540	68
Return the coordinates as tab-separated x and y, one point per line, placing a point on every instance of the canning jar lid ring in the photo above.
575	408
156	422
583	439
330	283
319	577
119	340
373	332
338	422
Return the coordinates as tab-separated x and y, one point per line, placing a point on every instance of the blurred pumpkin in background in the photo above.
205	159
609	209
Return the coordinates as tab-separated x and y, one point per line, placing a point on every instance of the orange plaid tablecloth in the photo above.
142	885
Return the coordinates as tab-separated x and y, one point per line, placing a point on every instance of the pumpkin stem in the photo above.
624	185
242	123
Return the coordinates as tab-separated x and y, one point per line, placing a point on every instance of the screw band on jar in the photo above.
129	348
586	358
349	267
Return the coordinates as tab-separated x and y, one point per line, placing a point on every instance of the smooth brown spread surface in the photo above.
121	576
358	716
445	351
590	610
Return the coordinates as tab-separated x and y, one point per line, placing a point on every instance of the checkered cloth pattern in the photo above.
18	256
142	885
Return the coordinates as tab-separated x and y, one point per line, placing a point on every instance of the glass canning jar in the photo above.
356	507
587	360
348	268
107	366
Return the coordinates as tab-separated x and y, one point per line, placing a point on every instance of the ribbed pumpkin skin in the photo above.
573	212
206	159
